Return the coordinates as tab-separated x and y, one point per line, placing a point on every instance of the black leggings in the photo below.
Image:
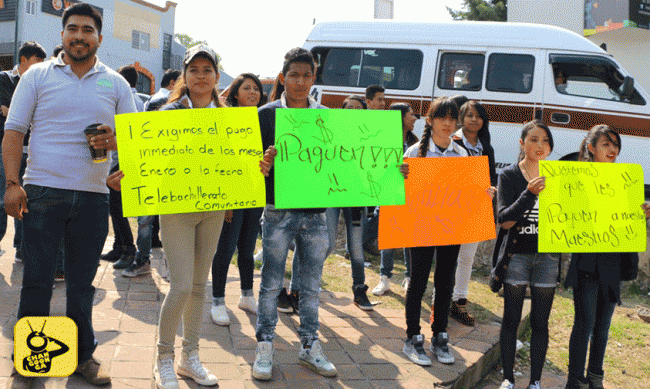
541	304
444	277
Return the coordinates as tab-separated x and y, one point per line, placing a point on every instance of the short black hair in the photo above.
372	90
169	76
298	54
83	9
31	49
130	74
57	50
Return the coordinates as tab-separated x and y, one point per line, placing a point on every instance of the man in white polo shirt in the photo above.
65	194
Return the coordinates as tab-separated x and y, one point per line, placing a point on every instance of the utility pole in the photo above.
16	59
384	9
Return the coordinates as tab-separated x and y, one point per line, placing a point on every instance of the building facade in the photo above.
135	32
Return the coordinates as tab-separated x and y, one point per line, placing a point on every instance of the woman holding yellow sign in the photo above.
596	280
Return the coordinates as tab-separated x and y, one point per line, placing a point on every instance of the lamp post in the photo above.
16	59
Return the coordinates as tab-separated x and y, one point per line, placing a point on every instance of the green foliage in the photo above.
188	42
481	10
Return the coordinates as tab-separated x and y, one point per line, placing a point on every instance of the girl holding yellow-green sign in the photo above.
596	279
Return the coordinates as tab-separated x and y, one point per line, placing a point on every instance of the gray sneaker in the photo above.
136	269
414	350
314	359
440	348
263	366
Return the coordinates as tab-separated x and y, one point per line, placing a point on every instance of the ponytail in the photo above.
424	142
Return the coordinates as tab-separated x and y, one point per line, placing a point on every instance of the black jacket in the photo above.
8	84
611	268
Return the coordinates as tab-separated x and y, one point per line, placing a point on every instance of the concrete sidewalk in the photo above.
366	347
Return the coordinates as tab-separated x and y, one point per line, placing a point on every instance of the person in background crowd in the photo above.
435	143
57	49
242	230
596	280
375	99
166	87
387	256
279	227
474	137
65	195
519	264
30	53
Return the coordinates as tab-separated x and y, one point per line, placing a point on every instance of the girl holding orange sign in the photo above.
435	143
596	280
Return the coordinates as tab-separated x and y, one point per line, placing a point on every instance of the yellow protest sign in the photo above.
190	160
45	346
590	207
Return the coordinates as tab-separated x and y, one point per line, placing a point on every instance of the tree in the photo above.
188	42
482	10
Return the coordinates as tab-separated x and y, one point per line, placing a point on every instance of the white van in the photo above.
507	67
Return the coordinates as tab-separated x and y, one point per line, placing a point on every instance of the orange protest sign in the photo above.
446	203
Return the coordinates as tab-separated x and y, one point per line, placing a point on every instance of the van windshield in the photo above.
360	67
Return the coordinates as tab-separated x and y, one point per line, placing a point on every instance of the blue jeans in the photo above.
279	228
354	225
593	316
80	219
144	238
388	262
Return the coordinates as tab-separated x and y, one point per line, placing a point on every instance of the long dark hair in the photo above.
404	108
441	107
528	127
180	88
357	98
483	133
277	90
231	100
592	138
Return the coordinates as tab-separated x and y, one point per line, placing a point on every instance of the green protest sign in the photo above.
590	207
338	158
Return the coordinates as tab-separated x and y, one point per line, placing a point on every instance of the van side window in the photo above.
510	73
592	78
461	71
360	67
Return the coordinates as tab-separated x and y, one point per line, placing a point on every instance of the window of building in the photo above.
167	51
140	40
510	73
359	67
461	71
30	7
591	77
144	84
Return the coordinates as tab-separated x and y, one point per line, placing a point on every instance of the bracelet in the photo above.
10	183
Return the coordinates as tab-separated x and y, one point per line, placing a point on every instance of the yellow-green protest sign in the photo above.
190	160
338	158
589	207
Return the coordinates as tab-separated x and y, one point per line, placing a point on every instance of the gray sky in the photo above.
253	35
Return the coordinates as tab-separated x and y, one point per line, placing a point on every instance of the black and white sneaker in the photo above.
284	305
440	348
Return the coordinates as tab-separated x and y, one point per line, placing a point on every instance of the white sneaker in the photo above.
534	385
248	304
406	282
263	366
190	366
506	384
314	359
258	256
220	315
382	287
164	375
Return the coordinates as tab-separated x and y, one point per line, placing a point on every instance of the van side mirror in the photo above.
627	88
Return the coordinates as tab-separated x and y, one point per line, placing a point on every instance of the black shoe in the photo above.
284	305
361	297
294	300
156	243
126	259
112	255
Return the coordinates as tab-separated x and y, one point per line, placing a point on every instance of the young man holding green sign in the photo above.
280	227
